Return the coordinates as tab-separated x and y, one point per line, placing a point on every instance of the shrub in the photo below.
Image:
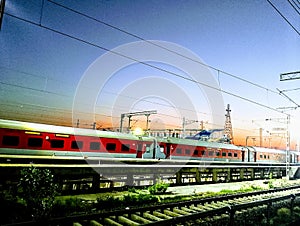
109	202
38	190
283	217
158	188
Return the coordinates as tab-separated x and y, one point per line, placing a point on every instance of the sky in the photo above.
60	62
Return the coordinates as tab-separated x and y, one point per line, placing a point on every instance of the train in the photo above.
27	138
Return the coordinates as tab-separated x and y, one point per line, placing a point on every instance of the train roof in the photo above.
38	127
262	149
208	144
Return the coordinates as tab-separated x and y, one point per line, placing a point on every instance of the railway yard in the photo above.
236	203
220	210
88	177
194	196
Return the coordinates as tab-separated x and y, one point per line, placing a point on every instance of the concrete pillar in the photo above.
215	175
228	179
251	170
178	177
96	182
198	176
242	170
129	180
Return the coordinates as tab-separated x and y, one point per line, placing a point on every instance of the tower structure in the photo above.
228	126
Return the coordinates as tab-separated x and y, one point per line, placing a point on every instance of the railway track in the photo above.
218	208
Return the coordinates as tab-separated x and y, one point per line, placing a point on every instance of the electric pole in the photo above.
228	126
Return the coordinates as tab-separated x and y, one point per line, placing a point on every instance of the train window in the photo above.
187	151
57	143
229	154
110	146
76	144
178	151
265	156
35	142
147	148
162	149
261	156
95	145
224	154
211	153
125	147
217	153
235	155
202	153
10	140
195	152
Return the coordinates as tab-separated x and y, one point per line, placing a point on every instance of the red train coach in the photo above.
41	139
26	138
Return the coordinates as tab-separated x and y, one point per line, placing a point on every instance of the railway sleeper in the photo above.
189	210
180	211
77	224
126	221
140	219
151	217
161	215
197	209
213	205
171	213
94	223
221	204
111	222
205	208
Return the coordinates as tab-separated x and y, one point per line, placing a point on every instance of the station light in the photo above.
138	131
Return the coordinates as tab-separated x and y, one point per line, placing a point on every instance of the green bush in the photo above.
38	190
283	217
70	206
109	202
159	188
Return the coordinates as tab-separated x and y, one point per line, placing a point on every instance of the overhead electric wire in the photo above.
157	45
286	96
294	6
143	63
288	90
33	89
70	96
277	10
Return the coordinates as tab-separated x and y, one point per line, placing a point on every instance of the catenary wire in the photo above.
293	5
143	63
277	10
162	47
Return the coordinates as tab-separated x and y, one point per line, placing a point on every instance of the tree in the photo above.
38	190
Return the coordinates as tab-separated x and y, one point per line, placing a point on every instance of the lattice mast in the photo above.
228	126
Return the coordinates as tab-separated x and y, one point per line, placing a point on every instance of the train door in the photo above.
139	149
292	158
168	151
243	155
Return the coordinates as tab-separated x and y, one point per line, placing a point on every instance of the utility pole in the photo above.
201	125
186	122
284	77
129	115
287	147
228	126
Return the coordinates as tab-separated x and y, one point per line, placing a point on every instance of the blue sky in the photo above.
41	69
